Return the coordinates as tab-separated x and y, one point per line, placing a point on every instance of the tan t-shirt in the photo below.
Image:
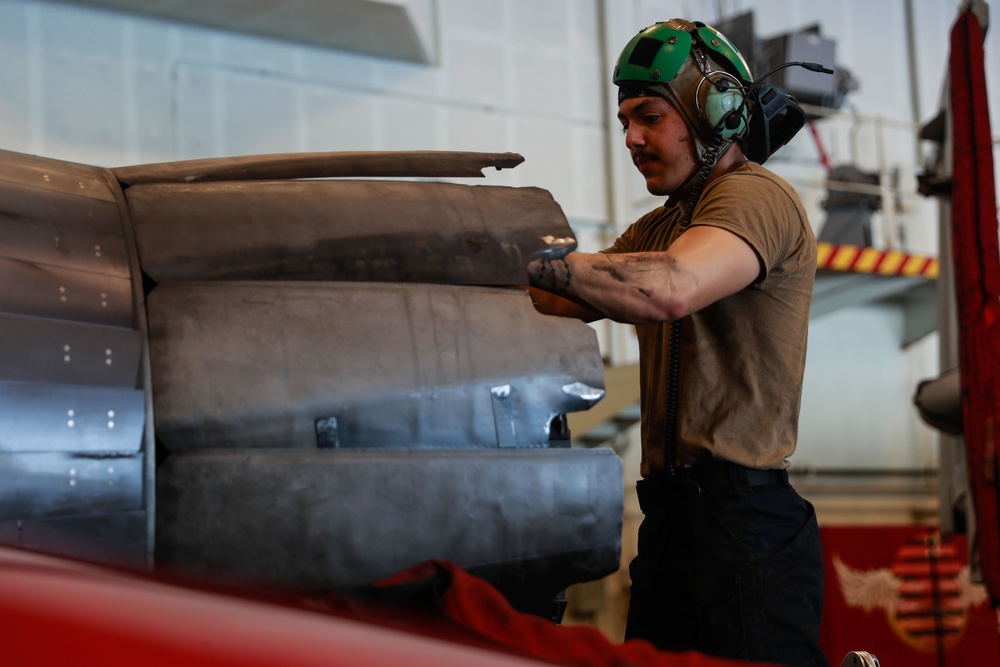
742	358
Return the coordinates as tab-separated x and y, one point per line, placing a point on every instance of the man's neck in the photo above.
731	158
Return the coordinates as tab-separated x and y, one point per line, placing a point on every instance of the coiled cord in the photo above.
674	368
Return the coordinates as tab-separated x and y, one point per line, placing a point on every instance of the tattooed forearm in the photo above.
551	275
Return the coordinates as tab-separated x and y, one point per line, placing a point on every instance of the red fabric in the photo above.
481	610
977	285
899	593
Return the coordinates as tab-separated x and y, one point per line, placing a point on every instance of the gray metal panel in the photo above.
36	417
56	351
109	539
332	518
47	189
72	405
62	244
366	164
54	484
345	230
47	291
258	364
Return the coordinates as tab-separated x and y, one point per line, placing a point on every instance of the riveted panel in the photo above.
55	351
62	244
37	417
44	189
39	290
58	484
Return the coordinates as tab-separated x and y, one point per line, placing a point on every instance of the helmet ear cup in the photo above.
722	108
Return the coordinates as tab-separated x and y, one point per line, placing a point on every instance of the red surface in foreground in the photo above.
60	612
56	611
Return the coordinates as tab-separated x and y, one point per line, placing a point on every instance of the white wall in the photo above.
529	76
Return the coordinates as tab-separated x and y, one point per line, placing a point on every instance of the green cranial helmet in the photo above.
697	69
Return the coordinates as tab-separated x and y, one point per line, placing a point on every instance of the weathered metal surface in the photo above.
56	351
320	519
338	392
55	292
62	244
360	164
115	539
72	405
62	249
345	231
53	484
63	192
396	366
38	417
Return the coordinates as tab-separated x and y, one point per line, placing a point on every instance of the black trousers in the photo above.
729	564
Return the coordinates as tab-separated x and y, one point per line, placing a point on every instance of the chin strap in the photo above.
692	188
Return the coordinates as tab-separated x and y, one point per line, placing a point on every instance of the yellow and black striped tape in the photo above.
856	259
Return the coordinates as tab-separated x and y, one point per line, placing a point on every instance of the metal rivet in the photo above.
111	425
72	482
715	42
672	40
655	74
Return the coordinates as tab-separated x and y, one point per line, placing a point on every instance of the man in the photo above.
718	282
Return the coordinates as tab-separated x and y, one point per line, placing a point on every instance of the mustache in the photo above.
643	155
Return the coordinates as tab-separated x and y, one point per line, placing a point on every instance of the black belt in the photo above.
706	478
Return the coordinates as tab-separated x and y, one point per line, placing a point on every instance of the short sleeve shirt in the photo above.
742	358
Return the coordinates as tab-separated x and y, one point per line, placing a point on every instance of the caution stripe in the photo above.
856	259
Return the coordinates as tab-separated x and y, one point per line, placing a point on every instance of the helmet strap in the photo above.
691	190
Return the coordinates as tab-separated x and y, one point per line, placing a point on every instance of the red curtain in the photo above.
977	284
